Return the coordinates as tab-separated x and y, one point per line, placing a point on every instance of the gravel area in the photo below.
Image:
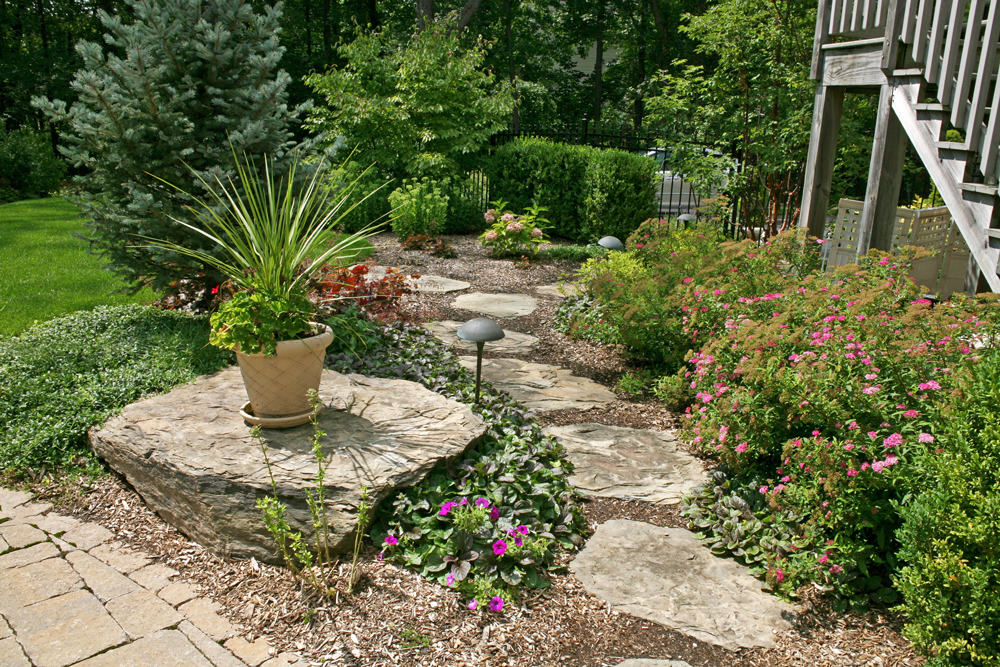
395	618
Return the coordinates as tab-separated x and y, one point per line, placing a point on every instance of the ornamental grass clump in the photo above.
828	391
271	235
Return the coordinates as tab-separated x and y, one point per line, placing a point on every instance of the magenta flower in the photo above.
823	558
926	437
472	605
877	466
447	508
499	547
911	413
742	447
779	575
482	502
893	440
496	604
494	514
836	569
391	540
380	556
852	473
763	489
524	530
450	579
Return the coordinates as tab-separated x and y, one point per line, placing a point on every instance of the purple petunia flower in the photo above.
499	547
524	530
494	514
450	579
447	508
482	502
391	540
496	604
473	605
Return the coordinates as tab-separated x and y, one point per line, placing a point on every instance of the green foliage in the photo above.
521	473
950	537
584	318
422	107
62	377
621	192
45	269
365	193
173	93
634	383
28	169
420	207
257	321
589	192
512	235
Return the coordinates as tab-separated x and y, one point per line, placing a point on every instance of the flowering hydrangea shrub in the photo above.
829	389
512	235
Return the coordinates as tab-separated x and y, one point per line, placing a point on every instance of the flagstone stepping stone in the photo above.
513	342
630	463
497	305
425	283
541	387
190	455
665	575
558	290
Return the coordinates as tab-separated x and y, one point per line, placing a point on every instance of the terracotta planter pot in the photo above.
278	386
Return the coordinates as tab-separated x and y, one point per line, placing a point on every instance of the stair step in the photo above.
935	107
853	44
980	189
954	146
907	73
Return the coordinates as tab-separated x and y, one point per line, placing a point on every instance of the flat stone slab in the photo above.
190	455
514	342
558	290
629	463
665	575
496	305
541	387
425	283
652	662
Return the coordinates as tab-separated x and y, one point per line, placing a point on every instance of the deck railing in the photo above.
956	44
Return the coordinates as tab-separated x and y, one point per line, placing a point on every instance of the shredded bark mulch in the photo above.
397	618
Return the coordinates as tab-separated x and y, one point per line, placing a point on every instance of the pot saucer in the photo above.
285	421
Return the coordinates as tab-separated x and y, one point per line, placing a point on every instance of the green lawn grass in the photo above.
45	270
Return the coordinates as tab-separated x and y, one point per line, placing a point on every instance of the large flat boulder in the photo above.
190	455
667	576
496	305
628	463
425	283
541	387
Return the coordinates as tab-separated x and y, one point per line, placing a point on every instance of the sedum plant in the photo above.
270	236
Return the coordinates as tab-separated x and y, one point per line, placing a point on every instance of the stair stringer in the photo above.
973	230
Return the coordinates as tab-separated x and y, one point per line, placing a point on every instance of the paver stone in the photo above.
20	535
154	577
141	613
55	524
253	653
35	582
32	554
11	654
118	556
65	629
170	648
204	614
177	593
9	498
104	581
514	342
496	305
217	655
87	536
541	387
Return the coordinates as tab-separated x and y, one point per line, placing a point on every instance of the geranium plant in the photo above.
512	235
273	232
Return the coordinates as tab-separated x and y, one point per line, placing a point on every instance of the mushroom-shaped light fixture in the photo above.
611	243
480	331
687	219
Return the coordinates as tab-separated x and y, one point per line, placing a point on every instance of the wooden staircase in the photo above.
934	64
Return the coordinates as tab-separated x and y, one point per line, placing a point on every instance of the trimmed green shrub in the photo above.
589	192
28	168
950	537
61	377
620	193
419	207
365	209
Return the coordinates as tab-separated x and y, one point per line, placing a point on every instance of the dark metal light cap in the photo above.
611	243
687	217
480	330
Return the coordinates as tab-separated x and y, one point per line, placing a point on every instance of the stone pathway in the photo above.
666	575
541	387
628	463
558	290
71	595
496	305
425	283
513	342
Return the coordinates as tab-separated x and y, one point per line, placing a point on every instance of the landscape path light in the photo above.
687	219
611	243
480	331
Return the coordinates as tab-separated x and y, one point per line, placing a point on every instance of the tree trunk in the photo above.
43	28
598	73
638	105
327	47
515	122
306	5
464	16
373	20
425	13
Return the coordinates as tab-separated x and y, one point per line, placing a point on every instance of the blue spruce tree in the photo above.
172	94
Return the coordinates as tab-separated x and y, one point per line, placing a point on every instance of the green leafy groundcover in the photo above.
63	376
492	521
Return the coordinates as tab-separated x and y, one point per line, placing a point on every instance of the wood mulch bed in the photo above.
397	618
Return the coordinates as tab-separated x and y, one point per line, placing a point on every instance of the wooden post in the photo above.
885	174
829	104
